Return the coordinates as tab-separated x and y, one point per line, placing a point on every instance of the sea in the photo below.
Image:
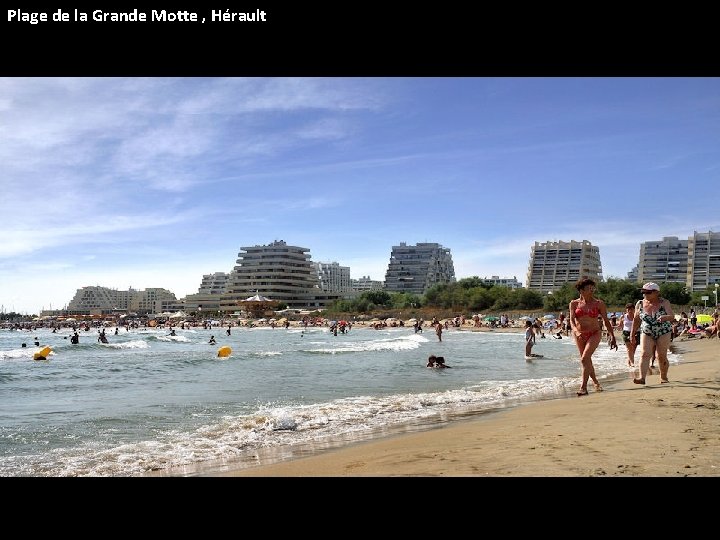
148	403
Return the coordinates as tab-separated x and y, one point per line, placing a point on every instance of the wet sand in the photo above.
660	430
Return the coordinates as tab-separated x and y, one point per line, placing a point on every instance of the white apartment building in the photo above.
553	264
414	269
703	260
510	283
211	289
694	262
277	271
366	284
663	261
333	277
103	300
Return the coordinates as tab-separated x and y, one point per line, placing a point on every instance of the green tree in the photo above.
472	283
479	299
618	292
676	293
405	300
380	298
527	299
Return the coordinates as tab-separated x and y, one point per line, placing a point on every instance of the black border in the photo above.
368	39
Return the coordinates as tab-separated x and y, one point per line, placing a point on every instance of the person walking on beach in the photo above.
626	322
653	316
585	324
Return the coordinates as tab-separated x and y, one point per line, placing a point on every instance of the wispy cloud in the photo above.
96	174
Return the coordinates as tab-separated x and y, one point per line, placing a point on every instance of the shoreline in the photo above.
627	430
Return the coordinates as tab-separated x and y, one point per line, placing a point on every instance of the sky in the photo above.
154	182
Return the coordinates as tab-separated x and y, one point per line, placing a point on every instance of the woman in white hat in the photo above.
653	317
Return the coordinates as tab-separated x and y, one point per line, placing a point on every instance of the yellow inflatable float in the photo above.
42	354
224	352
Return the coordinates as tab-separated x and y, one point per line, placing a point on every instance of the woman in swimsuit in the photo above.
584	312
653	316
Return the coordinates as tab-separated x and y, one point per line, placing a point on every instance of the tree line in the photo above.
474	295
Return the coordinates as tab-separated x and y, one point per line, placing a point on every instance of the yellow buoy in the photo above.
43	354
224	352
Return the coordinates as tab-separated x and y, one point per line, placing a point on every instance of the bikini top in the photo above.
586	311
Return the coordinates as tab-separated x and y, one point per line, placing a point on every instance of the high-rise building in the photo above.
99	299
553	264
154	300
211	289
703	260
333	277
663	261
276	271
414	269
694	262
102	300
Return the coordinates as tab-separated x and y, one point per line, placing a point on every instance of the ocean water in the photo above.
151	403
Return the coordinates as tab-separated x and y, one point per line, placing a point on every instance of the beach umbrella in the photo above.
491	318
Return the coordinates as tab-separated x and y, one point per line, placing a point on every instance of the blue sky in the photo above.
153	182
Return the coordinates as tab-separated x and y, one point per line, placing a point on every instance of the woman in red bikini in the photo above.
584	313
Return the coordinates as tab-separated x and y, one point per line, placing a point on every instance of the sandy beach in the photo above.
657	430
